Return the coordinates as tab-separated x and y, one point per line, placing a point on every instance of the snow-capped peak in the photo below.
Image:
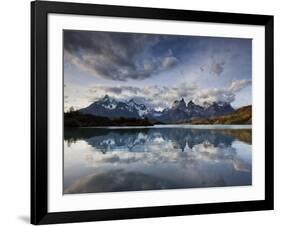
141	108
132	102
108	103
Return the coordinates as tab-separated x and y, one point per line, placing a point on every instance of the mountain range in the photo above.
180	110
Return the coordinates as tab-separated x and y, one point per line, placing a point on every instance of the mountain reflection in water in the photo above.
133	159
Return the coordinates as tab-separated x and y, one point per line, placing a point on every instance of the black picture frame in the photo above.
39	112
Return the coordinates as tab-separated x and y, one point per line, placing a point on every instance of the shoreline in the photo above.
187	126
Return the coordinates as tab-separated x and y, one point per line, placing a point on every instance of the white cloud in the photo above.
161	97
238	85
157	97
169	62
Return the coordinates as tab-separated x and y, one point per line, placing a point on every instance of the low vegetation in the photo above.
77	119
240	116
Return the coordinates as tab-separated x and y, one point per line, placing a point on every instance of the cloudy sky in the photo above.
155	69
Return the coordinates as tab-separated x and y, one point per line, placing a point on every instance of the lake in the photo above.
112	159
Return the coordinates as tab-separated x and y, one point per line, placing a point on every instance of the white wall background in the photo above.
15	113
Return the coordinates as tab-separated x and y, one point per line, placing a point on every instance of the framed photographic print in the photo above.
144	112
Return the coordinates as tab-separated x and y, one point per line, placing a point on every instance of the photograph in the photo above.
155	111
141	112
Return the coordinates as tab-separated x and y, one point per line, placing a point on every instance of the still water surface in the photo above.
116	159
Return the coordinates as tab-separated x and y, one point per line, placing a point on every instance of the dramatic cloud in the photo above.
155	69
116	56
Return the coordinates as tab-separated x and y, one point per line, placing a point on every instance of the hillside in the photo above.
242	115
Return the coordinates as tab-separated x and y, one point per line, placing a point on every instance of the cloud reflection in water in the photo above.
110	160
